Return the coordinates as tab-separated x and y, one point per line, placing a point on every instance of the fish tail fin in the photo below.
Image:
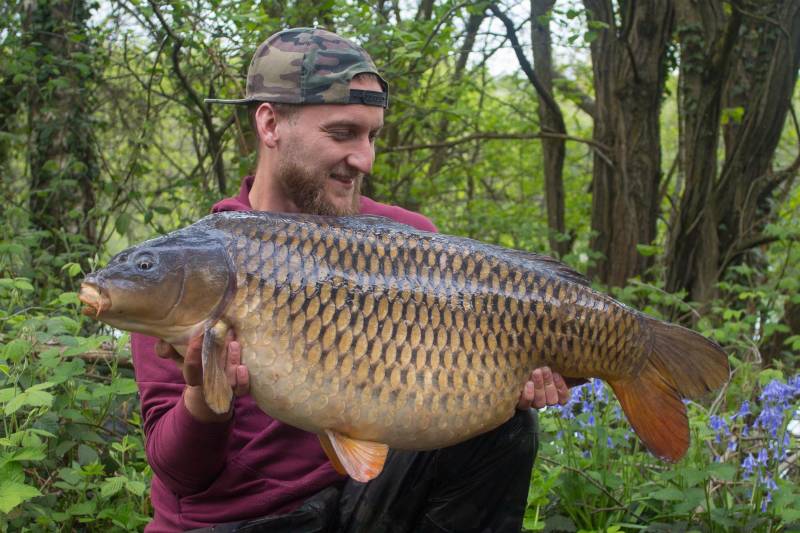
682	364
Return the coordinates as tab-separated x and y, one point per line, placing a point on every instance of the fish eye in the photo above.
144	262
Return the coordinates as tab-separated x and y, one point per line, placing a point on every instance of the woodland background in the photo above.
653	145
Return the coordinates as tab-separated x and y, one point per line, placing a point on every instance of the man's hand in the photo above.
192	367
544	388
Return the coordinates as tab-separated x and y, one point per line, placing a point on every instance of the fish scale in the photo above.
371	333
497	364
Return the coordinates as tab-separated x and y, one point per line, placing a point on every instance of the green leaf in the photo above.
27	454
73	269
82	508
123	386
7	394
15	350
32	397
122	222
86	455
112	486
13	494
135	487
23	284
647	250
668	494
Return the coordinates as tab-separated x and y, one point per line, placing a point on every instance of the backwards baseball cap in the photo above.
309	66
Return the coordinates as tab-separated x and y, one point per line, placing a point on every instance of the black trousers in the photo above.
480	485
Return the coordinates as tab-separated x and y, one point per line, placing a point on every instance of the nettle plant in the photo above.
71	446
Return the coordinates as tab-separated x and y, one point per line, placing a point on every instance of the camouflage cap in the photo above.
309	66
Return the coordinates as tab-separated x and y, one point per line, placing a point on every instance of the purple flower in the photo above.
719	425
777	393
770	419
732	445
748	465
763	457
744	410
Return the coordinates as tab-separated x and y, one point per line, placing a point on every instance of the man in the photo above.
317	104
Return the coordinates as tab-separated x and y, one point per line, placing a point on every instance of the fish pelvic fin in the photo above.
216	389
362	460
327	447
682	364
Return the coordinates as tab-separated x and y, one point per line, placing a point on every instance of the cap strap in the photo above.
373	98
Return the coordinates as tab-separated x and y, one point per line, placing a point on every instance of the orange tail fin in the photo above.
682	364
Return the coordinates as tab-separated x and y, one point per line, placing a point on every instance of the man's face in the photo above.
324	152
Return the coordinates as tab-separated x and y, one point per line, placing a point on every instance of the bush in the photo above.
71	445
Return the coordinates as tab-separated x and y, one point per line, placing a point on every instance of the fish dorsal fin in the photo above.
545	262
361	459
216	389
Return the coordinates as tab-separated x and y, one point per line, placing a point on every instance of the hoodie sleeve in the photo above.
184	453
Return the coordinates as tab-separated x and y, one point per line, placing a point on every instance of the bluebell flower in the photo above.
777	393
609	442
719	425
587	406
732	445
769	419
763	457
748	465
744	410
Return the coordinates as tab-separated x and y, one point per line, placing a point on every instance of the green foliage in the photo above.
71	443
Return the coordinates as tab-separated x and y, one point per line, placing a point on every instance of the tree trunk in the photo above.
550	118
628	60
63	163
745	64
553	150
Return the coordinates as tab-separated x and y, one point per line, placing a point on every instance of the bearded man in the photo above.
317	103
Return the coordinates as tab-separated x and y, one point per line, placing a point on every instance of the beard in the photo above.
306	189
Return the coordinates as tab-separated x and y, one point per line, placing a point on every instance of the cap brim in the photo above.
240	101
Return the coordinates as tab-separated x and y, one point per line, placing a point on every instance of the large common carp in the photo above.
373	334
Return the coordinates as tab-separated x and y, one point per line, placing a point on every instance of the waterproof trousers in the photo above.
480	485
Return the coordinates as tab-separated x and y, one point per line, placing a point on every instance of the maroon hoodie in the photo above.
249	466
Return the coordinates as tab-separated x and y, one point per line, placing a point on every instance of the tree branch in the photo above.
598	147
544	94
213	136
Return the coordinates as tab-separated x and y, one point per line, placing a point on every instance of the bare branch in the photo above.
544	94
599	148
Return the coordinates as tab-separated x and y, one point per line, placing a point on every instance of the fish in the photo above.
376	335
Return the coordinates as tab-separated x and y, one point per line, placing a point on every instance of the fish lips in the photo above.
96	300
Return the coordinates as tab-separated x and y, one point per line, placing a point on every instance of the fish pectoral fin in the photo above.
327	447
361	459
216	389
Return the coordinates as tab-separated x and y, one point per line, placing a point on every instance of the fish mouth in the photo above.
94	298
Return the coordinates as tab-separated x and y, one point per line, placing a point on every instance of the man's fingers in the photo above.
539	397
561	388
525	397
242	381
238	376
193	362
550	392
166	351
